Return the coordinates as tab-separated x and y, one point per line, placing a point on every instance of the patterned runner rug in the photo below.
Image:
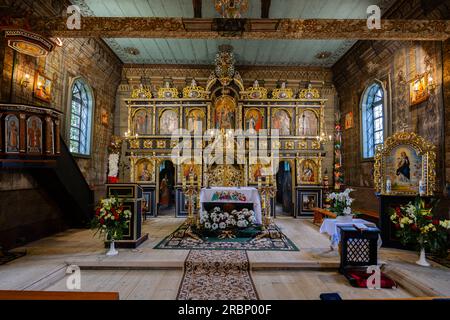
217	275
276	241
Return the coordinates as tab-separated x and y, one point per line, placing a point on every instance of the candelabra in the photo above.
191	191
267	192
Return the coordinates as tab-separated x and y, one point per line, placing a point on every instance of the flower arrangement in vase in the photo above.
110	220
341	205
217	220
416	225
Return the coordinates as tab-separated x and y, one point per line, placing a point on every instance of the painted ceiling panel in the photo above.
249	52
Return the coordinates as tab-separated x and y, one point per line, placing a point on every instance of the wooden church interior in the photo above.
88	112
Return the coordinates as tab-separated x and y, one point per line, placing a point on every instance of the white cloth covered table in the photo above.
330	227
233	195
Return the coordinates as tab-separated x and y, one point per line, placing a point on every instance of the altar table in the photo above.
233	195
331	227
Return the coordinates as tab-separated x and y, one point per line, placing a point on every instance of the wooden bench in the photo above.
321	213
56	295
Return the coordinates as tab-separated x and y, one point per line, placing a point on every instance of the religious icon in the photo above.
104	117
404	169
168	122
309	201
282	122
144	171
308	172
253	120
12	133
34	135
43	87
191	168
308	123
348	121
419	89
142	122
258	170
195	120
225	111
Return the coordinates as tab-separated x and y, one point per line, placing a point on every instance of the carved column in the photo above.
56	138
22	132
48	135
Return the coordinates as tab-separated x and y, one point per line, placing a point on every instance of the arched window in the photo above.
372	119
80	118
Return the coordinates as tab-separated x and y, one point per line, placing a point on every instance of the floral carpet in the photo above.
217	275
274	241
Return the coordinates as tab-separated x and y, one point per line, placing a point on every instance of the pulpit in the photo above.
131	195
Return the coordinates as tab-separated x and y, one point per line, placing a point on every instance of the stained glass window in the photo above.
372	119
80	118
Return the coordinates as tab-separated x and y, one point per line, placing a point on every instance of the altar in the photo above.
232	195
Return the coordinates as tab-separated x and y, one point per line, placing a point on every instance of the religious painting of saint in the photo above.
308	172
308	123
12	133
191	168
258	170
404	169
34	135
142	122
225	112
348	121
168	122
253	120
144	171
419	89
196	120
43	87
104	117
281	121
309	201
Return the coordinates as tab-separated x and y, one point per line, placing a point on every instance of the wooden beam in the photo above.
197	4
133	27
265	8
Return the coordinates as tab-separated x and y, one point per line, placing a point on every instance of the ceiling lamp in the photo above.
231	8
29	43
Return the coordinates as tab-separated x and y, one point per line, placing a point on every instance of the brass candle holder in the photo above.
191	191
267	191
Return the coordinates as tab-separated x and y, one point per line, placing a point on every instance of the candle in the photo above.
183	180
267	180
259	182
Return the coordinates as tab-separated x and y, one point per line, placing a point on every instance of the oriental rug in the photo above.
217	275
275	241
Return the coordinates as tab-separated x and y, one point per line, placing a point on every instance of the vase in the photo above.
112	249
344	219
422	259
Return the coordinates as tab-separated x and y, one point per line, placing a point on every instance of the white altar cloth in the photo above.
330	227
233	195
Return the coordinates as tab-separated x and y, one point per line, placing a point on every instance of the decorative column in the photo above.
57	138
48	135
22	132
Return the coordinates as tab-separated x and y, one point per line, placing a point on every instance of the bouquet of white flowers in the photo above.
342	203
217	220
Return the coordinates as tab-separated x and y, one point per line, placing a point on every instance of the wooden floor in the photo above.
146	273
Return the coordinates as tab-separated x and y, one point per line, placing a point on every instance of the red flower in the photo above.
102	221
97	212
397	226
116	217
113	210
436	222
414	227
429	217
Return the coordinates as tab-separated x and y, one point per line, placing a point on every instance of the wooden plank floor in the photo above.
156	274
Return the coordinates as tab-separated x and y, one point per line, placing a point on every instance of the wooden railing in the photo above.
56	295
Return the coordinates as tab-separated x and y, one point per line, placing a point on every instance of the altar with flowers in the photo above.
231	200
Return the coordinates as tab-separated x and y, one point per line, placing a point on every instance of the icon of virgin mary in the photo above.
403	169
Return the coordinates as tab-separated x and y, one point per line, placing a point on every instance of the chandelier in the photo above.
224	61
231	8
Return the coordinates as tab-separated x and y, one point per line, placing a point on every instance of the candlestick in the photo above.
183	181
259	182
267	180
191	179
